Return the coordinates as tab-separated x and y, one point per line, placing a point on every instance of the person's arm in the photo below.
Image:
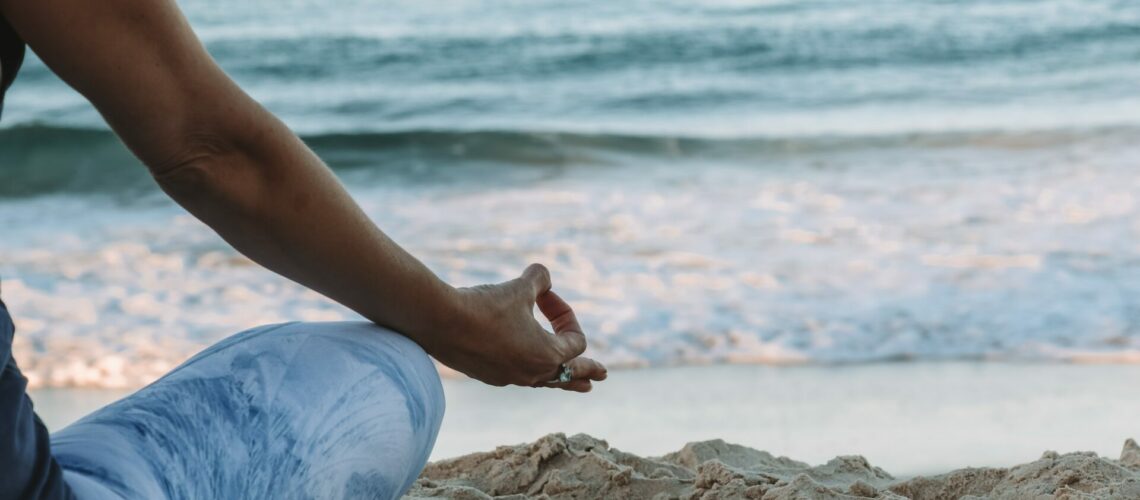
236	167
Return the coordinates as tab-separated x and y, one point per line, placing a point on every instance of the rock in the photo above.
1130	455
558	467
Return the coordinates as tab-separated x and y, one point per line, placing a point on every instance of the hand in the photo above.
495	338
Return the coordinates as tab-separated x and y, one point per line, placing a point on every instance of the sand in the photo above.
581	466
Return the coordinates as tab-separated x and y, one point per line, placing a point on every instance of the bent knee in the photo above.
368	345
325	358
380	389
358	406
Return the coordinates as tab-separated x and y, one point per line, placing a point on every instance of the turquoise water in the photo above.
712	182
704	68
380	84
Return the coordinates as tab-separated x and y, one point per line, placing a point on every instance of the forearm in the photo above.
227	160
240	170
271	198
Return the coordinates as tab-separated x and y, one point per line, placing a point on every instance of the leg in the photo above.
301	410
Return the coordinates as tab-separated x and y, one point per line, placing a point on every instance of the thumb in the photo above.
538	277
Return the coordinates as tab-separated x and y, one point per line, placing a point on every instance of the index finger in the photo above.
572	342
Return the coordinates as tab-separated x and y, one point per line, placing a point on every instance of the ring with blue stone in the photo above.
565	374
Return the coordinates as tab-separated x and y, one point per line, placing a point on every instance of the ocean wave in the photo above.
673	68
44	159
730	47
976	246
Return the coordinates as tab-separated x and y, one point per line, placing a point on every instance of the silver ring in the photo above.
565	374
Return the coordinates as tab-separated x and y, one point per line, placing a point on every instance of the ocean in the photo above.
763	182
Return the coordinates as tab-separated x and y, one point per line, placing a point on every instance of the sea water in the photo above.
771	182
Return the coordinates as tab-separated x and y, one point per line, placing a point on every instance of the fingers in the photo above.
570	341
584	370
577	386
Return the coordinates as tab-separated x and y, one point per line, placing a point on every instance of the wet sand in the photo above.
908	418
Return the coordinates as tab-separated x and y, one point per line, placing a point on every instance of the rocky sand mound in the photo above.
581	466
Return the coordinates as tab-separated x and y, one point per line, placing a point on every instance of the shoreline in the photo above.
909	418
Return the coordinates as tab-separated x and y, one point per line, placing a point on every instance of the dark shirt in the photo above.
27	468
11	56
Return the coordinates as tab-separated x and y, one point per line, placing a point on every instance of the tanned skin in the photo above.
240	170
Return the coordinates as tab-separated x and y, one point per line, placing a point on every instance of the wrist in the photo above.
437	317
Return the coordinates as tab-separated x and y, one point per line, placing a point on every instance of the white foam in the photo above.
976	252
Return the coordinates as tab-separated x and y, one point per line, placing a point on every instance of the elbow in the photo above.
195	167
219	161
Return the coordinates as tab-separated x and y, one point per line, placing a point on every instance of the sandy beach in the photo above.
826	249
902	430
582	466
912	424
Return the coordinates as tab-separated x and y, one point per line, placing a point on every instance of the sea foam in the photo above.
923	250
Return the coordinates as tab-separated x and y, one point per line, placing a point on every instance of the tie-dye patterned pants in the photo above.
299	410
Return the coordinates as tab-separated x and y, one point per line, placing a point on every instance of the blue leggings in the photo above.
299	410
